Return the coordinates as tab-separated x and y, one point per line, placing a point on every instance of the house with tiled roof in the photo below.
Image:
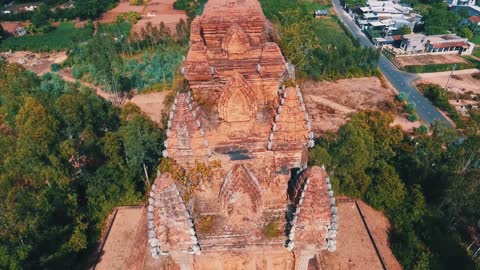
441	44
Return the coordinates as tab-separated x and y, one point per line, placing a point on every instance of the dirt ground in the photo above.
120	239
461	81
11	27
158	11
355	250
36	62
430	59
124	6
329	104
151	104
462	84
379	226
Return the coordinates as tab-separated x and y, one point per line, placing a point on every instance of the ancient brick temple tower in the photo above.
240	112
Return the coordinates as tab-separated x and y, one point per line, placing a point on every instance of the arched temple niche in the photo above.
235	42
240	194
237	102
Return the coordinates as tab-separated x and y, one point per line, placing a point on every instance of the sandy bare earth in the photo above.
158	11
379	226
461	83
36	62
355	250
330	103
121	239
430	59
11	27
151	104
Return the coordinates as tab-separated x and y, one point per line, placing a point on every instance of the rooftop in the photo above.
474	19
376	24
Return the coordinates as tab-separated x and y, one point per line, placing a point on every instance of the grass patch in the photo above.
117	29
272	7
330	32
474	61
439	67
476	39
321	49
65	36
476	51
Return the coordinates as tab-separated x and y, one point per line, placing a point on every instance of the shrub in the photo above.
55	67
410	108
138	2
402	97
438	96
181	4
132	17
290	83
77	73
271	230
422	130
476	75
412	117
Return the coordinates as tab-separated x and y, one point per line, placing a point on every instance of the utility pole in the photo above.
449	77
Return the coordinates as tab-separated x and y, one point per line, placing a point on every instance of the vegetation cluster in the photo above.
63	37
439	97
427	184
119	64
320	49
193	8
437	67
51	10
68	157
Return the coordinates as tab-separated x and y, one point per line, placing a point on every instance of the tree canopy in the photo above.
428	186
68	157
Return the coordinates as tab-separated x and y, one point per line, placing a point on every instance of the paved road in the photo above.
401	80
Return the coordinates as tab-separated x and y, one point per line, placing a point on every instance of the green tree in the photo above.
387	190
298	39
35	129
465	32
404	30
439	20
142	143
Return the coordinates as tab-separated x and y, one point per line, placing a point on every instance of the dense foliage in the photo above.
438	96
63	37
439	20
428	186
68	157
193	8
320	49
120	64
84	9
438	67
